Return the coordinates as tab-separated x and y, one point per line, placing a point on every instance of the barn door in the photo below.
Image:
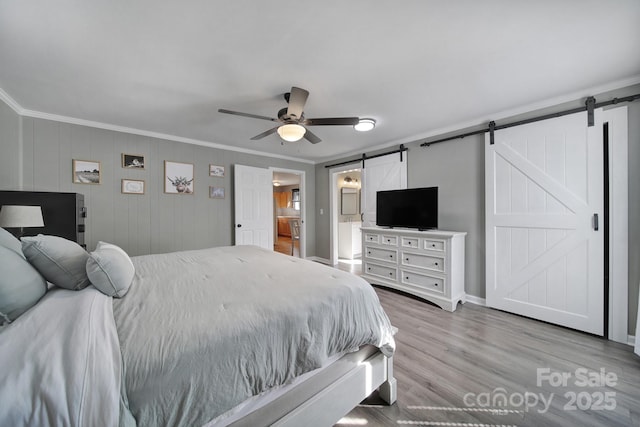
381	173
544	209
253	206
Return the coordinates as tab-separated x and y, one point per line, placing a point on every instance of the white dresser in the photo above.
427	264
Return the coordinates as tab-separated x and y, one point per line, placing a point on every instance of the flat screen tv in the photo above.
410	208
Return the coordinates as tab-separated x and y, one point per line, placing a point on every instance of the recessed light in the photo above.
365	125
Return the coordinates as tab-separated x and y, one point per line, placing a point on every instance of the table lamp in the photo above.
12	216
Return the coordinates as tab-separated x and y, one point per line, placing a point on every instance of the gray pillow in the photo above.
61	261
10	241
110	270
21	287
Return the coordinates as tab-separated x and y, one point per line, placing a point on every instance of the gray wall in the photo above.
141	224
9	148
457	167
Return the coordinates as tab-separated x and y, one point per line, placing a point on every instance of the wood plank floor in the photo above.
450	367
283	245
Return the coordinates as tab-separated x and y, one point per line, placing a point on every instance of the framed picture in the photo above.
178	177
86	172
132	161
216	192
132	186
216	170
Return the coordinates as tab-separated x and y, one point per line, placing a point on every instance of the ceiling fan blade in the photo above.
265	133
297	99
311	137
253	116
332	121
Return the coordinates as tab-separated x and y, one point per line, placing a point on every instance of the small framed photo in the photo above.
132	161
216	192
216	171
178	177
132	186
86	172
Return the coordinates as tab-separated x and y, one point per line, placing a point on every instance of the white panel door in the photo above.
380	174
254	206
545	255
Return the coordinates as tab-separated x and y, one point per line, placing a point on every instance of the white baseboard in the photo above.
318	259
476	300
631	339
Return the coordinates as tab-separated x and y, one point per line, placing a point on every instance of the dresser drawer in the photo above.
423	261
390	255
410	242
389	240
433	245
435	284
373	238
389	273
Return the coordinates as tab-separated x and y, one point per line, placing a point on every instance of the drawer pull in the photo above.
406	259
390	273
391	256
435	263
433	245
435	284
369	253
406	278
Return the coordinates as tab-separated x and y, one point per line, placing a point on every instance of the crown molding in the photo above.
505	114
158	135
480	121
4	96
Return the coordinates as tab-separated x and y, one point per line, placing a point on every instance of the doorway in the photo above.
383	172
289	212
345	212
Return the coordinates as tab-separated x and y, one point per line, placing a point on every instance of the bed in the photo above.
235	336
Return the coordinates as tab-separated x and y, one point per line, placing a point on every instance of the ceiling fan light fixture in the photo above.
364	125
291	132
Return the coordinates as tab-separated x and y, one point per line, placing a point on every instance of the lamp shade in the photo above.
291	132
12	216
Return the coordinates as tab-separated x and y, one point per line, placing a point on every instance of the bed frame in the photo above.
331	394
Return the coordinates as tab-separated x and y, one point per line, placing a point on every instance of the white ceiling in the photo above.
418	67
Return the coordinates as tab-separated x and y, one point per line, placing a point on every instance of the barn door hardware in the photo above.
364	157
492	129
590	103
590	106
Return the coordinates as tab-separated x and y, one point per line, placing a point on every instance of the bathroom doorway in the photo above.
346	241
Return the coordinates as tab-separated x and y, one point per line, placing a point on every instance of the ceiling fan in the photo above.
293	123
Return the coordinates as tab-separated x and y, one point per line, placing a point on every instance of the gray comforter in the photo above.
201	331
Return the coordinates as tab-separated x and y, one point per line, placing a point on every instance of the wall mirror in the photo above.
349	202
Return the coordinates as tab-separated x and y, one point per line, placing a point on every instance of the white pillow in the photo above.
10	241
21	286
110	270
60	261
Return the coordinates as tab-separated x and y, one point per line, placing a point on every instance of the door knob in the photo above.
239	225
